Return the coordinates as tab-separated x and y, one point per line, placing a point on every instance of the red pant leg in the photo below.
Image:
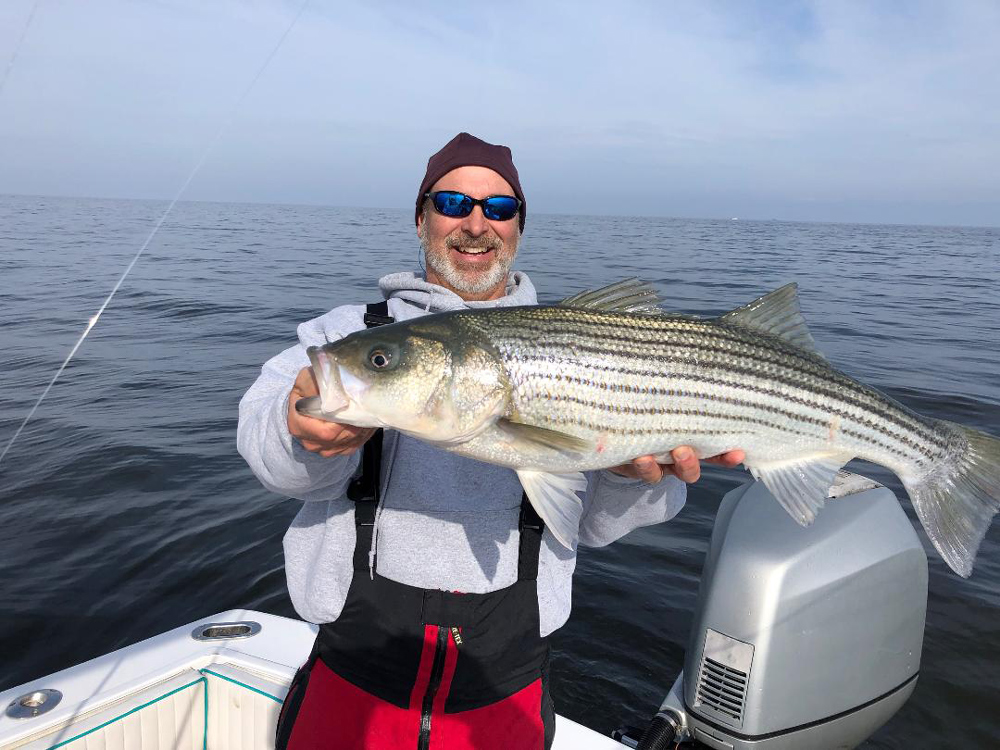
336	715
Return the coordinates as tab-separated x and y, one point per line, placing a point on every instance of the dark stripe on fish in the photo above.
882	408
658	351
603	406
864	419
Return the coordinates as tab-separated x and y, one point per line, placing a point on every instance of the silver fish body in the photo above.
551	391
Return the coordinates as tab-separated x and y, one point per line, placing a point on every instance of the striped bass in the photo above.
606	376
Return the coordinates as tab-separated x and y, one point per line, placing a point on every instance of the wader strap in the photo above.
531	528
377	315
364	489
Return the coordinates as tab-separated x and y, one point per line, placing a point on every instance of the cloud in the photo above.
814	110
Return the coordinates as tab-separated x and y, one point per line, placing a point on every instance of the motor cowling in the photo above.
804	637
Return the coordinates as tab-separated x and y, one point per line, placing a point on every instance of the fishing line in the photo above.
17	46
204	157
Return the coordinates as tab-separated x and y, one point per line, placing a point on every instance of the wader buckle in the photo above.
373	320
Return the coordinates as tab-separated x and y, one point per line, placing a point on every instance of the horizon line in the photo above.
768	220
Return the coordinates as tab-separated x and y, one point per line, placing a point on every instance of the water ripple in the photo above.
126	510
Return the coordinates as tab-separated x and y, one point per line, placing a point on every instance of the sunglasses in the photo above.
459	205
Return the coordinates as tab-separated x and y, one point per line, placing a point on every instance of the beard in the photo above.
468	280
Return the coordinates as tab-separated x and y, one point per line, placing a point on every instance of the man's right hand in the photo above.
325	438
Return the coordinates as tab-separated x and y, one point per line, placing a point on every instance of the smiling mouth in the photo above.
473	250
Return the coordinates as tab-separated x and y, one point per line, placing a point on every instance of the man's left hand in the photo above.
685	467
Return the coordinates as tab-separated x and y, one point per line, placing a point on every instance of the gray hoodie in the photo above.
445	522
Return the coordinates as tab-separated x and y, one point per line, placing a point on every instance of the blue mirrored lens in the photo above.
500	207
453	204
459	205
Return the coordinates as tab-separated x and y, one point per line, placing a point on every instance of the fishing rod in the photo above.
17	46
206	152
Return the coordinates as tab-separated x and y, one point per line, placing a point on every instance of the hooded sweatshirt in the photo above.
445	521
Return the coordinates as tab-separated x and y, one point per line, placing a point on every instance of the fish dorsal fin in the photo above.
631	296
778	314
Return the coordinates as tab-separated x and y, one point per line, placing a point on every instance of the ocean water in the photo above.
125	509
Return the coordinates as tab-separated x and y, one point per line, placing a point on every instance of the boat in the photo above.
802	638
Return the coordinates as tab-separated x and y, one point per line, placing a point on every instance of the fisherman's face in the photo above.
472	255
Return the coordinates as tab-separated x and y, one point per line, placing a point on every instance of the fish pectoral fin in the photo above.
554	497
777	314
553	439
801	485
630	296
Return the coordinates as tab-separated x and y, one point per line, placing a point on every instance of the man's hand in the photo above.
685	467
325	438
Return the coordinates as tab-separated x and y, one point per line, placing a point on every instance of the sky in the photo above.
881	111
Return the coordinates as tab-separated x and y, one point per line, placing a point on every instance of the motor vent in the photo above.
723	676
722	688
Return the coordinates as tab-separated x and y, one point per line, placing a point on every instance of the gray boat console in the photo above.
803	637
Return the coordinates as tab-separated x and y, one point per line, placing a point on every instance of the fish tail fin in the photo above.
957	500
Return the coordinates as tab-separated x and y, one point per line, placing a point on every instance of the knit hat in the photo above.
466	150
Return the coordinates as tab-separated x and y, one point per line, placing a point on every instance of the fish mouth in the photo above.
311	406
341	393
353	387
332	397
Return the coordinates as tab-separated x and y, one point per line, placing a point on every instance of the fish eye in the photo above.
379	358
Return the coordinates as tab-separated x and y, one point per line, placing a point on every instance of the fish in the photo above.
607	375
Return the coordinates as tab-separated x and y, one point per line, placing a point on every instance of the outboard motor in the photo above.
803	637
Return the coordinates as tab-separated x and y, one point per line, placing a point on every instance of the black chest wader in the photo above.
405	667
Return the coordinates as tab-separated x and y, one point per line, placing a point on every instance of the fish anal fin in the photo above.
801	485
554	497
777	314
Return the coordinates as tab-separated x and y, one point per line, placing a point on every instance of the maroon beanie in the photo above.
466	150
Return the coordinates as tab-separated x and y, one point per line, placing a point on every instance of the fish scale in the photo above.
604	377
760	360
595	391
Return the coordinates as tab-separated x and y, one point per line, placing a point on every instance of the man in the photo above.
437	587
